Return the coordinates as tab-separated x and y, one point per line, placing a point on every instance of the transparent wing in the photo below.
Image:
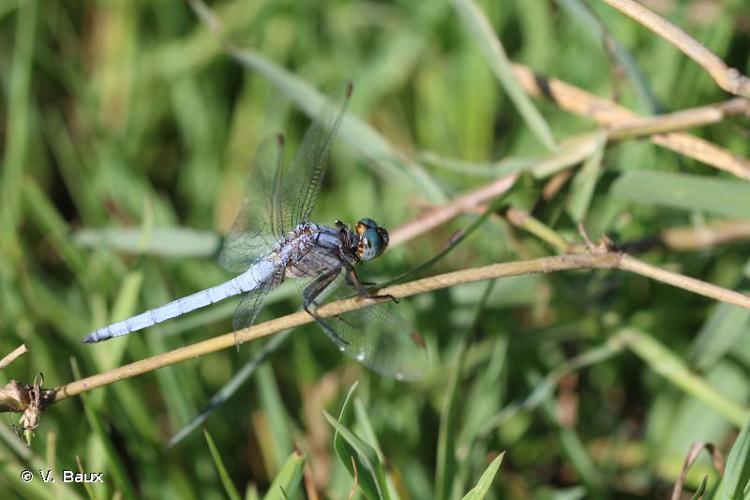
252	302
256	227
301	184
376	336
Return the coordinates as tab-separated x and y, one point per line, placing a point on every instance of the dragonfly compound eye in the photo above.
373	241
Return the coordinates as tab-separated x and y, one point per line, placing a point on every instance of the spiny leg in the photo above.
312	291
353	280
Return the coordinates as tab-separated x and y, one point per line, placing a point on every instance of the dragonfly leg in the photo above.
311	292
353	280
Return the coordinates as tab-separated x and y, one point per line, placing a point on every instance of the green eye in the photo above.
374	244
373	239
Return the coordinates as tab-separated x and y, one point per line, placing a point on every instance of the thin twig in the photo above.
606	112
680	120
730	79
528	222
628	263
604	260
708	236
11	357
690	458
439	215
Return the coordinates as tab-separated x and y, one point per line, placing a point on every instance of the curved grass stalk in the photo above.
592	260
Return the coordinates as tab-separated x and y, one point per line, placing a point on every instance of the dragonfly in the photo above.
273	239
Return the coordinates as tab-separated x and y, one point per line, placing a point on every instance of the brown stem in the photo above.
730	79
602	260
606	112
11	357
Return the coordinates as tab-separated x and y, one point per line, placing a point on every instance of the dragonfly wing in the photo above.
381	340
278	199
255	230
376	336
252	302
303	181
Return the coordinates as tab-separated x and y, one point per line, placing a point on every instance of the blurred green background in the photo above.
123	122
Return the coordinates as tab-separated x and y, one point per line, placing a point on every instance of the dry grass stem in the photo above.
680	120
12	356
440	214
636	266
556	183
730	79
606	112
690	458
708	236
589	260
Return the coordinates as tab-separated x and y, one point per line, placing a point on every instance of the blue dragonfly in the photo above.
273	239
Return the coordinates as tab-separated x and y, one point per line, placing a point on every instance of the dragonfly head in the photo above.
372	239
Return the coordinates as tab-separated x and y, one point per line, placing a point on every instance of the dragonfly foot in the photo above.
326	327
385	296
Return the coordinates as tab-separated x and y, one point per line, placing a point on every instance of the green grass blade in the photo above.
494	53
701	490
17	121
348	455
446	467
287	481
445	471
545	387
480	491
506	166
371	475
584	182
229	487
571	151
353	130
226	392
271	402
683	191
601	34
666	363
395	62
46	217
722	332
575	451
736	481
162	241
366	428
93	416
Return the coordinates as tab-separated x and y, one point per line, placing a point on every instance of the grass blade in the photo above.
494	53
270	400
584	182
93	417
669	365
349	446
287	481
683	191
229	487
366	457
231	387
446	447
736	480
480	491
162	241
17	120
600	33
356	132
